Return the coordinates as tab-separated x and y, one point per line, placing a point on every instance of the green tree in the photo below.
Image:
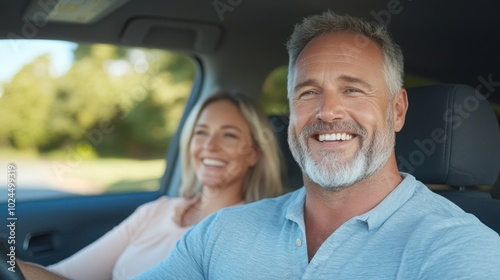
25	105
274	92
121	101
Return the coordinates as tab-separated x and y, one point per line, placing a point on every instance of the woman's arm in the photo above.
97	260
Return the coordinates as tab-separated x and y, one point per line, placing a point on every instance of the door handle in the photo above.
39	243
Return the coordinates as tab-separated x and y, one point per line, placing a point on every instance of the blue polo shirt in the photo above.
412	234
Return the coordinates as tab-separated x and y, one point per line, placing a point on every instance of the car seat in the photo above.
451	137
292	176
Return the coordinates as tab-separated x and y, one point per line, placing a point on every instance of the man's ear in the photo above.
399	108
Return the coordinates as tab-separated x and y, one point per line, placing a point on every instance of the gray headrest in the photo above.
451	136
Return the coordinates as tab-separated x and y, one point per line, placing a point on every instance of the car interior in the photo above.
451	137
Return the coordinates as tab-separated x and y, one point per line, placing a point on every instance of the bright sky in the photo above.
14	54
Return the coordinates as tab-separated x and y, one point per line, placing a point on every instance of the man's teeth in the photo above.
334	137
213	162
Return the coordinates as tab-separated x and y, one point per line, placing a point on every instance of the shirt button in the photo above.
298	242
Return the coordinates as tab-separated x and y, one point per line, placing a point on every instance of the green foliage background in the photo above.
112	102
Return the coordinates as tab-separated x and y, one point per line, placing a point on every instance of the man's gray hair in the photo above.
330	22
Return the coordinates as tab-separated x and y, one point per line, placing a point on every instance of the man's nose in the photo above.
331	107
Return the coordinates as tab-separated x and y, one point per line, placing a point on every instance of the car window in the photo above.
273	97
86	119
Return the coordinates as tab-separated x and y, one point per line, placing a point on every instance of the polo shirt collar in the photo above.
391	203
373	218
295	209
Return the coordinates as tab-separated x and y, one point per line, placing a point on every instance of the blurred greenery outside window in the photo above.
88	119
274	93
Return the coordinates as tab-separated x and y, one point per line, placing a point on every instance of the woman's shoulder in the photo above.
161	203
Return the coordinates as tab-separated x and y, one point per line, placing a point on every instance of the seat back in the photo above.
450	137
292	178
495	192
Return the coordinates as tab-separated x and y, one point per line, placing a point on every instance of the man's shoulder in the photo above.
423	202
433	215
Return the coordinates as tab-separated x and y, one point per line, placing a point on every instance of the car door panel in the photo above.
50	230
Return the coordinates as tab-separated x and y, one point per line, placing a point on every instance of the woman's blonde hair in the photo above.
262	180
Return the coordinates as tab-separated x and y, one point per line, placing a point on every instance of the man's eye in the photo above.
307	94
352	90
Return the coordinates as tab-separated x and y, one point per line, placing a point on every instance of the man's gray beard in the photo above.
329	171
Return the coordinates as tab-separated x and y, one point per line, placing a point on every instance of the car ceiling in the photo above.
445	41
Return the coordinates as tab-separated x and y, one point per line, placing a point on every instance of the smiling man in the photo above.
342	124
357	217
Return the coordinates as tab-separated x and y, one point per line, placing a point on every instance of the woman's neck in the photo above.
212	200
209	201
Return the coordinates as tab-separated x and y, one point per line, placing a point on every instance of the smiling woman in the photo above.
227	162
221	147
82	137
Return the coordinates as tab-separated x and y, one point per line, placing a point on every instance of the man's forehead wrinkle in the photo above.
303	66
343	56
331	50
327	62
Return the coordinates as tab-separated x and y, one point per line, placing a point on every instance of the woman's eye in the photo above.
230	135
200	132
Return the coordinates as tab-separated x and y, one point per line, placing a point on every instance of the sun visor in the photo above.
172	34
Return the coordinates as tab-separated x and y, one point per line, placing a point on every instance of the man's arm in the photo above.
179	265
186	260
